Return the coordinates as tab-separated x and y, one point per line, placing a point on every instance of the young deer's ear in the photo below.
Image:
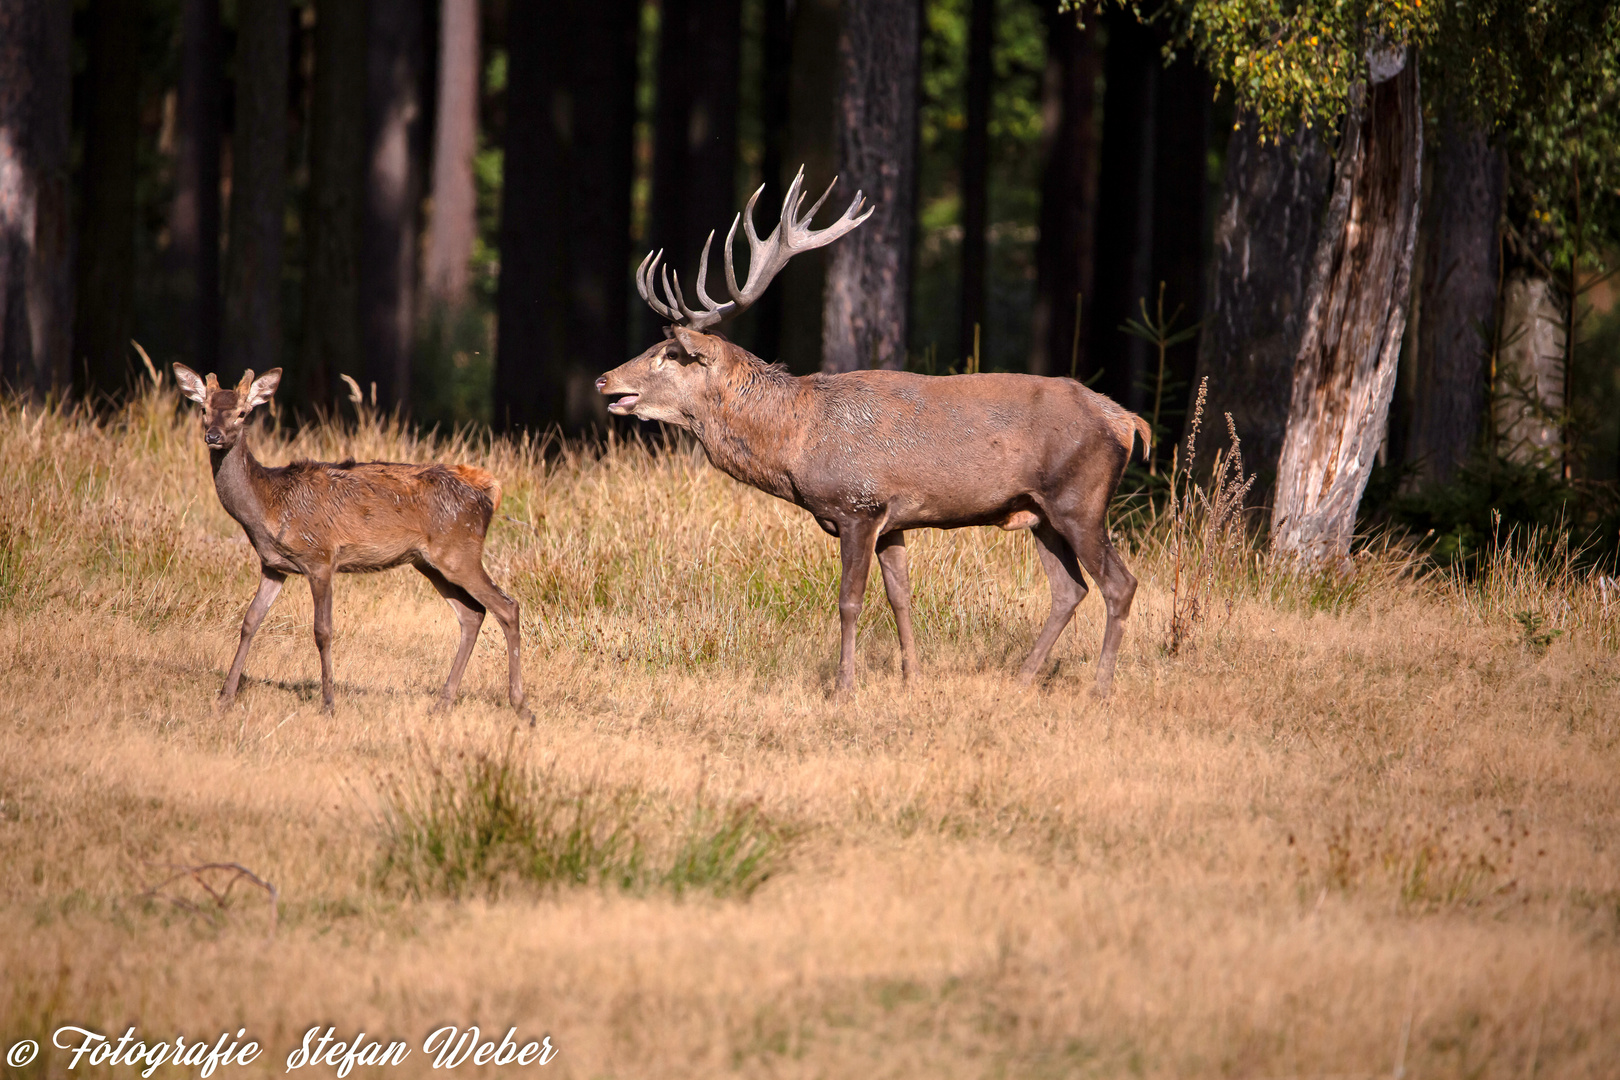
263	388
701	347
190	385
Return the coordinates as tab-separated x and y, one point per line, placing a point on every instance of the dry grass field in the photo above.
1357	828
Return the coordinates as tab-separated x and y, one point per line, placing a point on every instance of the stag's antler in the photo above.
765	258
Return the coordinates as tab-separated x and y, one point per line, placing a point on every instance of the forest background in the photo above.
446	201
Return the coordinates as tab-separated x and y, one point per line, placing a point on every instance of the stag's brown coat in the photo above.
317	518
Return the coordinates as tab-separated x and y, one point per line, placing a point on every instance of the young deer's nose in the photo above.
214	438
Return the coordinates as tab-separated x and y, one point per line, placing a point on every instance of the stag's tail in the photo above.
478	479
1145	431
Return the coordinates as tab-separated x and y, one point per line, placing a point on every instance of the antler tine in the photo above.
647	284
804	222
753	245
815	238
718	310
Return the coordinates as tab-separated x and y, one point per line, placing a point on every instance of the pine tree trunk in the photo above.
1272	200
332	215
1063	253
812	143
36	278
775	82
1459	284
864	319
695	133
976	177
1180	197
1124	268
253	337
565	227
454	223
106	301
394	168
194	223
1355	317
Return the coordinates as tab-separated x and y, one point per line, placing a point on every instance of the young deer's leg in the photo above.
855	544
505	609
891	555
1068	589
470	614
320	590
1090	542
269	588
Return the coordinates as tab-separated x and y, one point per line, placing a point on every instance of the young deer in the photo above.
318	518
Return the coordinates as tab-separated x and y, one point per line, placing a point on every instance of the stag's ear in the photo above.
701	347
190	385
263	388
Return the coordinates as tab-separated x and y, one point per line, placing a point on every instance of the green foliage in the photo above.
1534	635
479	826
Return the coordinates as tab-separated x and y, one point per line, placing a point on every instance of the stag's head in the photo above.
225	412
668	381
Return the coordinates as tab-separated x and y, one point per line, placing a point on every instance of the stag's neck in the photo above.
752	430
238	480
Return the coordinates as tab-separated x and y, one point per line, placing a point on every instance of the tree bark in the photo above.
454	222
864	319
1063	252
565	225
194	223
1355	317
1124	268
976	176
106	302
394	167
1272	199
695	130
1458	299
253	336
36	277
332	214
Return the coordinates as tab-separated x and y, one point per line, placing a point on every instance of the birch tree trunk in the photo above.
864	316
1355	317
454	223
36	279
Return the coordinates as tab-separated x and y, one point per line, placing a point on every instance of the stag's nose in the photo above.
601	384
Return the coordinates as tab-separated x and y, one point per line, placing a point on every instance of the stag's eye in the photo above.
672	354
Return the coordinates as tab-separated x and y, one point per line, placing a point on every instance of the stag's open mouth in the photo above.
622	405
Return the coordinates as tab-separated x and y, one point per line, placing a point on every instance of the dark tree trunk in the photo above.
775	81
695	130
565	226
394	167
813	143
1068	196
105	307
258	188
36	278
194	224
976	175
454	224
1180	195
1458	299
869	274
1266	231
337	183
1123	267
1063	253
1355	317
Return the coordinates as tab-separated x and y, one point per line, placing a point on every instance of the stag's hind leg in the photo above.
1088	536
856	541
470	615
320	591
1068	589
891	554
269	588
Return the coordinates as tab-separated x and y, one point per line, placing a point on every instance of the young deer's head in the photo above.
225	412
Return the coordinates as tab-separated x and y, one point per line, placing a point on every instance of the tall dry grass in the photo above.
1353	824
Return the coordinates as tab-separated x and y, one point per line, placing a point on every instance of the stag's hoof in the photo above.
524	713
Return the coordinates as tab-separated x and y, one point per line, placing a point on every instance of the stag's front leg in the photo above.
269	588
855	540
320	590
891	553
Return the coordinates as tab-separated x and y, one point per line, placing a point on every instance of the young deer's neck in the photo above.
236	480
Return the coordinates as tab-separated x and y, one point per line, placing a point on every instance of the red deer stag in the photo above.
873	453
318	518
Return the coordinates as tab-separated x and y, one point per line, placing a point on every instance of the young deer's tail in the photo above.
1145	430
